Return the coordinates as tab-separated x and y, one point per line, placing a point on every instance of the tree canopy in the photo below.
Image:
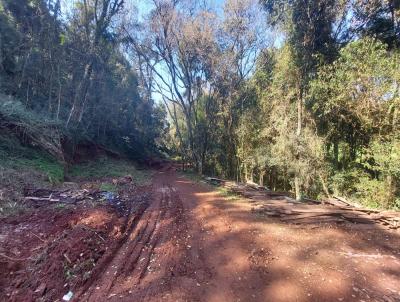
297	95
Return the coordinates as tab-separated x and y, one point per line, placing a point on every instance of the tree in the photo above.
96	17
357	104
74	72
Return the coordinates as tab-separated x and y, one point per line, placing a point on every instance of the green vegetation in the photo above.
195	177
108	187
11	208
229	195
315	111
14	155
107	167
60	83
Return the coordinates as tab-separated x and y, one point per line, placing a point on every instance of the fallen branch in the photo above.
37	237
42	198
14	259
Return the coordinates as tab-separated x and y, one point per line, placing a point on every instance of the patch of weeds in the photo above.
11	208
53	170
108	187
229	195
68	272
16	156
192	176
60	205
107	167
83	269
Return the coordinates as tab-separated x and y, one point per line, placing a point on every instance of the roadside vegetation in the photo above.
314	112
105	167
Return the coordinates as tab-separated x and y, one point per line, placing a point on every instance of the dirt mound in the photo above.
44	260
54	247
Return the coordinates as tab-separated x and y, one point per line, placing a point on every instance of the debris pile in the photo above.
64	196
74	195
334	210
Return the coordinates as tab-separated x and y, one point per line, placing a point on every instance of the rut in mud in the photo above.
150	223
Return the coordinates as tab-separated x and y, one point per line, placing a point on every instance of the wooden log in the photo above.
42	199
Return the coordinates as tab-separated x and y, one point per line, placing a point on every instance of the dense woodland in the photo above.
296	95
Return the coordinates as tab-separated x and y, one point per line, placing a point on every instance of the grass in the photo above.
192	176
107	167
108	187
229	195
11	208
15	156
51	168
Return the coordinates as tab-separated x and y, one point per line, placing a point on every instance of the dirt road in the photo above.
188	243
179	240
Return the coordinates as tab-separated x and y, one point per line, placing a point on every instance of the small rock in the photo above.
68	296
41	289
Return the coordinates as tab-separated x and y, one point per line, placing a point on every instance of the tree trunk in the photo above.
80	94
59	93
336	154
297	188
261	181
324	186
298	134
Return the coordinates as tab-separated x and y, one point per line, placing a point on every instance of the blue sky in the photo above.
145	6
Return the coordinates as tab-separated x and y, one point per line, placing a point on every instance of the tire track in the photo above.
131	221
128	263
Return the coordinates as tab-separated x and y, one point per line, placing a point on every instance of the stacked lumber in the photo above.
335	210
311	213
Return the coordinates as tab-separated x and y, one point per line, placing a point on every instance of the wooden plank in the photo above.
318	220
306	215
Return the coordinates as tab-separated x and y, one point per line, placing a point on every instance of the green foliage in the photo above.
69	82
108	187
32	128
317	115
14	155
356	104
372	193
107	167
51	167
354	94
386	157
11	208
343	183
229	195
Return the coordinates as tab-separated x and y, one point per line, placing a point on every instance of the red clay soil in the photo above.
185	242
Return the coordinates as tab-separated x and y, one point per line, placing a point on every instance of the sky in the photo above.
145	6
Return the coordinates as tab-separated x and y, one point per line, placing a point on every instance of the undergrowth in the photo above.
227	194
108	187
107	167
13	155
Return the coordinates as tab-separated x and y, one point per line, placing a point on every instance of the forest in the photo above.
294	95
200	150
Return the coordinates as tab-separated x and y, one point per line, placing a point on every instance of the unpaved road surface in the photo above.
179	240
188	243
